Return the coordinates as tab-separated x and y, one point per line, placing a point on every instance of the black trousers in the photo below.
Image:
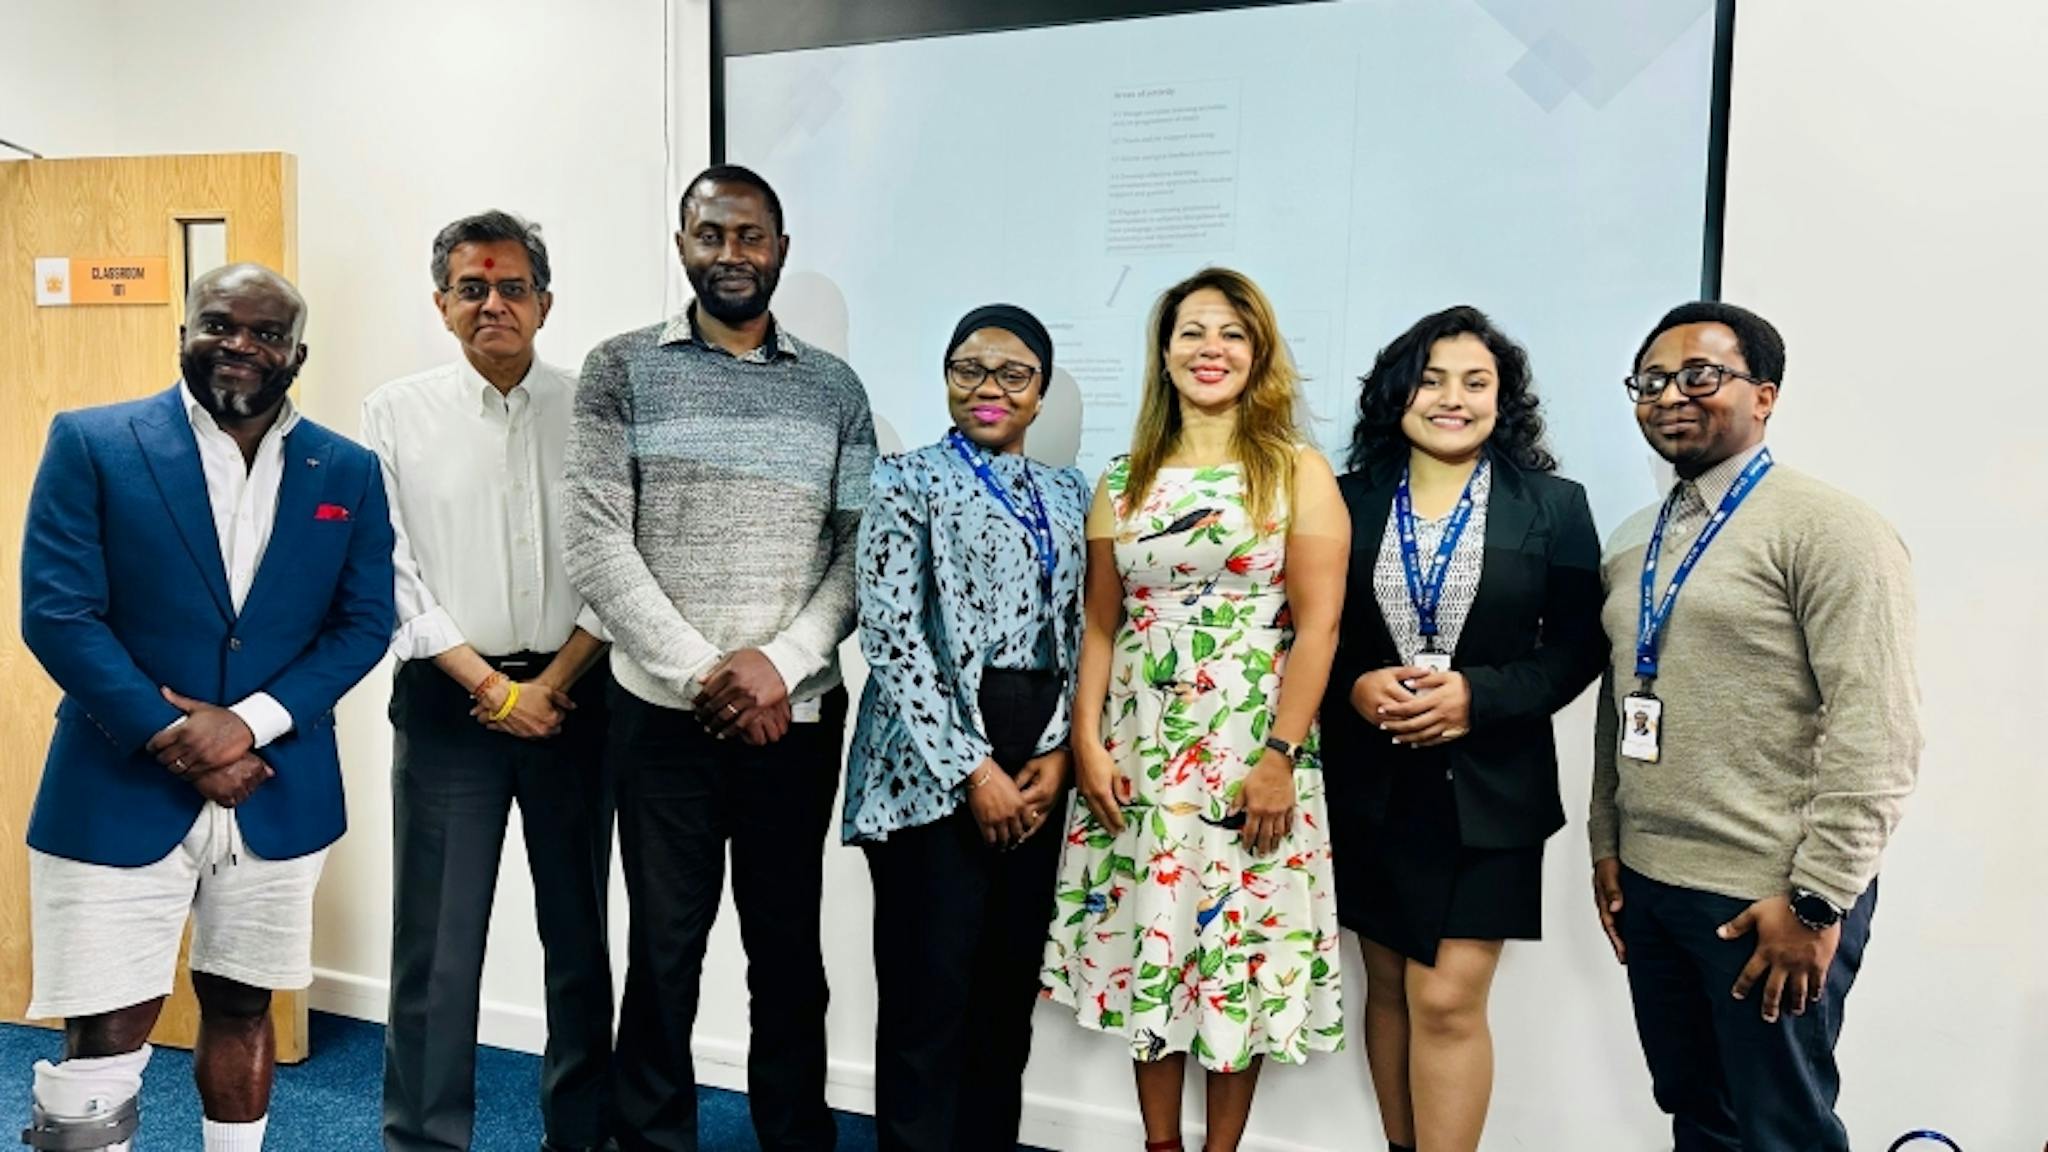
683	797
1730	1081
453	785
959	938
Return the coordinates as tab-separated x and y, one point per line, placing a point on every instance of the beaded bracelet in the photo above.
486	684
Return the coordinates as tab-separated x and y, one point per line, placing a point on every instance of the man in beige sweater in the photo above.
1739	819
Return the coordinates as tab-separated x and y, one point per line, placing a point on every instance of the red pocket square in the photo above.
330	512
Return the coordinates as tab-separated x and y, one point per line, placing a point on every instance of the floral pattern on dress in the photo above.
1171	934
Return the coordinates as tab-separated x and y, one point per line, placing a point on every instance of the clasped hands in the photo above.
1418	707
536	715
1011	811
211	749
743	695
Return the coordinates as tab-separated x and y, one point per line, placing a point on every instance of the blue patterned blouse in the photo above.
949	584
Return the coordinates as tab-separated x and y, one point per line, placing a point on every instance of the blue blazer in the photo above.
123	591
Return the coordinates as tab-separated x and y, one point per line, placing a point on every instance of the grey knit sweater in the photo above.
1791	729
712	504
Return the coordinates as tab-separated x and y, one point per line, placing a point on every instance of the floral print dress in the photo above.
1172	934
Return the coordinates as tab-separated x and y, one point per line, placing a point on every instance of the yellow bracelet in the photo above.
511	702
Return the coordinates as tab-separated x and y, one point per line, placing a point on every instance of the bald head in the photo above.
240	347
249	277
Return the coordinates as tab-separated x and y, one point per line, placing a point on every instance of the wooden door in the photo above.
57	358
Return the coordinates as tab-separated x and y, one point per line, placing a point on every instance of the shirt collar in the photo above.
474	384
1714	483
203	421
682	329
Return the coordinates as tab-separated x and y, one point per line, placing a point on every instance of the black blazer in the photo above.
1530	645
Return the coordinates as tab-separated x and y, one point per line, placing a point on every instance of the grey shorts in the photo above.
107	938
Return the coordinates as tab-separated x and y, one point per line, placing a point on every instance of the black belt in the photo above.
521	665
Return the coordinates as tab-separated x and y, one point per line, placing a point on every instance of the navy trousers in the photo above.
1730	1081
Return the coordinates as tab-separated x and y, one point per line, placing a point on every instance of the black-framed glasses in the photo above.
478	291
1695	381
1010	376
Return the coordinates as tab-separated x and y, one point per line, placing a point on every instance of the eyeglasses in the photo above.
1012	377
1695	381
478	291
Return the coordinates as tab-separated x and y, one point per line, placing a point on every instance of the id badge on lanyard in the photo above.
1038	525
1642	713
1642	718
1427	594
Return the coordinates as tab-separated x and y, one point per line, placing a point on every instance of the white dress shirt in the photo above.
475	481
243	497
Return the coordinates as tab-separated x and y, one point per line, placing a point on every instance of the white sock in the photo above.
84	1088
225	1137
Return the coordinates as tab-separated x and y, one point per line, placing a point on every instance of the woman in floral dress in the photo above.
1194	911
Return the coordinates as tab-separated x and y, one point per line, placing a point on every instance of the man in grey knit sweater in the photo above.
1738	826
715	481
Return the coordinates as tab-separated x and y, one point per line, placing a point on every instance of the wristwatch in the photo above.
1291	751
1815	910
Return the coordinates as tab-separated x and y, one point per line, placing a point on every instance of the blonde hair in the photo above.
1267	433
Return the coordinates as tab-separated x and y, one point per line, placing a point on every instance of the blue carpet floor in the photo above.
331	1100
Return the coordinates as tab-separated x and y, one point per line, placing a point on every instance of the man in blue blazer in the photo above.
205	573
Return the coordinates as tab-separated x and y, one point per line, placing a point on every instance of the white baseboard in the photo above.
1048	1122
499	1024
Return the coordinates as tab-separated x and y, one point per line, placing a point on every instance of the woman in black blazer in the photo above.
1454	652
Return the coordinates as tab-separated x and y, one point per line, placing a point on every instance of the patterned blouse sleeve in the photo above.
1072	504
894	579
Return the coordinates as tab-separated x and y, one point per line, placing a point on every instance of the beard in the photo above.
234	404
715	293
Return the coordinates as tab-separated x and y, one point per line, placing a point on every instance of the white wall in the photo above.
1882	212
403	116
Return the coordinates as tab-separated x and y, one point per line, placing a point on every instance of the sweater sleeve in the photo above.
600	504
1852	591
1603	817
807	644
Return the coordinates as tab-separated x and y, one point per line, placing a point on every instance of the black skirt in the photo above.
1407	883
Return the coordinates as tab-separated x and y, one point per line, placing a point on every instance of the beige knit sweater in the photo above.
1791	731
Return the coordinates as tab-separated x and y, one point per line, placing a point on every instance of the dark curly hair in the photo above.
1385	391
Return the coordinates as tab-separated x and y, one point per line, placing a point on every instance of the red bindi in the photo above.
490	263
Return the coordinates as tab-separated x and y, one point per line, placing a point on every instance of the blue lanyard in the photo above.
1428	595
1650	624
1038	524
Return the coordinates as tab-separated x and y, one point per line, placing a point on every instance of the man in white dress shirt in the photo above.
495	700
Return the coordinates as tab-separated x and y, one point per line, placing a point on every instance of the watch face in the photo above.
1814	909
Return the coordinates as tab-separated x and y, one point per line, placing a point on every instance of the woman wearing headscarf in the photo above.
970	573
